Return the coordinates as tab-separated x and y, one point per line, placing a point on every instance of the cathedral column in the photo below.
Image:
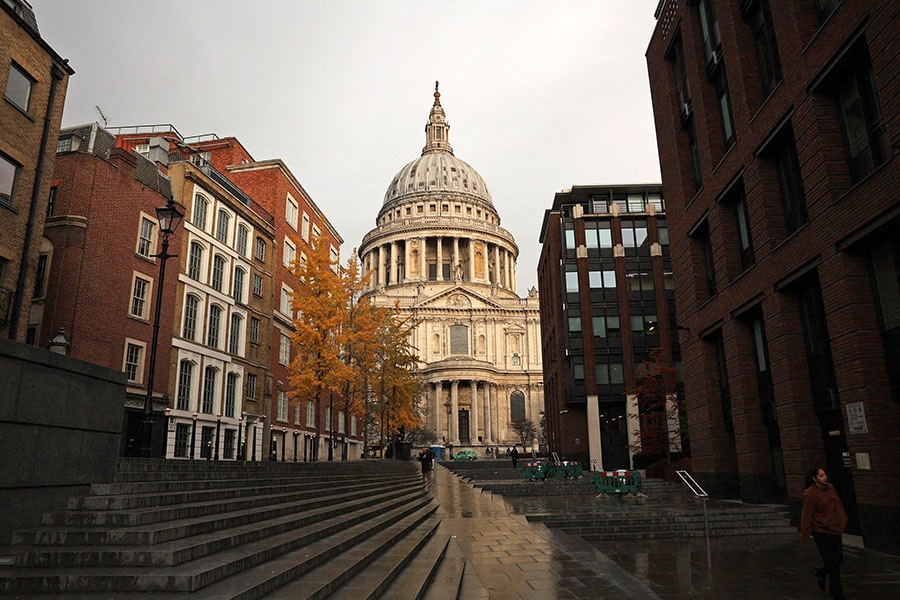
508	269
423	264
455	261
395	264
473	425
454	412
471	260
407	270
439	253
438	387
488	413
515	276
380	265
496	264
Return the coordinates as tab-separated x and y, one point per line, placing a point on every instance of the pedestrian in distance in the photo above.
426	457
823	517
515	456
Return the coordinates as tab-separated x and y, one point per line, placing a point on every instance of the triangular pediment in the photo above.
458	298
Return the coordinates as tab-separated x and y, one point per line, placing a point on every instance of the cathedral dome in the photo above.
437	171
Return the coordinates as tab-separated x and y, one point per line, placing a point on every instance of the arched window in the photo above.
234	337
459	339
243	234
195	261
198	215
231	387
209	390
215	320
222	227
218	272
516	407
189	324
237	290
185	373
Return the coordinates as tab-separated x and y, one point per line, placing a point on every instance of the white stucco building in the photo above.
438	249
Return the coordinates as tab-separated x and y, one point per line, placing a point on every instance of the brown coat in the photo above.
822	512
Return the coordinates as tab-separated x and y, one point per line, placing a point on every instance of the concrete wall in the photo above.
60	424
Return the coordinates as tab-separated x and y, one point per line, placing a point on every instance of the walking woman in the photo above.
823	516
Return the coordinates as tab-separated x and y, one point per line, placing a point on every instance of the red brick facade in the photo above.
786	265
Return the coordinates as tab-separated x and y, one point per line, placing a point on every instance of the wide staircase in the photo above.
357	530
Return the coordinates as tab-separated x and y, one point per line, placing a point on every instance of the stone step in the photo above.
162	514
639	527
329	537
233	488
687	533
447	583
218	539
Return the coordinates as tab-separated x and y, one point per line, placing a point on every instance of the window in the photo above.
709	26
289	254
64	144
282	406
228	444
140	298
342	427
251	386
310	413
328	423
198	216
304	231
787	166
185	373
597	236
735	203
717	343
704	254
574	324
634	235
51	201
865	136
195	261
297	414
231	385
182	439
516	406
317	233
353	426
571	282
40	276
606	326
333	258
257	284
215	319
189	324
285	307
222	227
260	249
644	325
602	280
209	390
681	80
885	268
290	212
284	350
695	154
640	281
570	239
218	272
635	202
254	330
145	238
759	17
134	358
609	373
242	235
8	174
459	339
234	337
721	85
237	289
577	368
18	87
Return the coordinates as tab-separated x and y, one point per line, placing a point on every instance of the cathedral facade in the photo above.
439	253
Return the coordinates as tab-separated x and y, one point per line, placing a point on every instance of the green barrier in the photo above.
565	469
533	470
617	482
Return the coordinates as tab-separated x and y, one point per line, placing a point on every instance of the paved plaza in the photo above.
513	558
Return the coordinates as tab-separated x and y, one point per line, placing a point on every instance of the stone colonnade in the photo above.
440	258
475	406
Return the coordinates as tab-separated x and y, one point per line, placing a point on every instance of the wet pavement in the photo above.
515	559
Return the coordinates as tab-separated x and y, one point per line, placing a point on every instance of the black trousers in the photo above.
831	549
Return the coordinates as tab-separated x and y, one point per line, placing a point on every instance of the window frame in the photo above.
24	77
137	366
139	280
146	242
11	169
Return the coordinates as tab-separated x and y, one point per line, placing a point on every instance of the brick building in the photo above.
34	79
605	279
297	426
777	129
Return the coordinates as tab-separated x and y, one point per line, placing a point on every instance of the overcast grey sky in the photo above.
539	95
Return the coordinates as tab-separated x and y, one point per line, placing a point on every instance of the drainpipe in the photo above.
56	76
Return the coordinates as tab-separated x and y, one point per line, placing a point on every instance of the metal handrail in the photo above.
555	457
699	492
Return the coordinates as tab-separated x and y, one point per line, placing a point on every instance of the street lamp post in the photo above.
169	217
218	428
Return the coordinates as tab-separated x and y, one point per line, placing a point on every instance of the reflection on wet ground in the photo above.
515	559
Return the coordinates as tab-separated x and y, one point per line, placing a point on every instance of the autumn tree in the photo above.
320	336
659	406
